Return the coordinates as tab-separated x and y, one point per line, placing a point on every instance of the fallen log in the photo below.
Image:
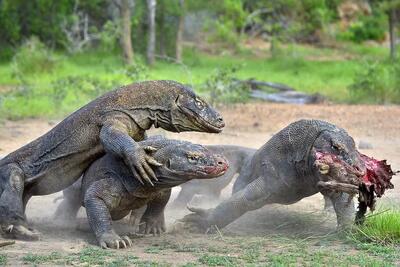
290	97
254	84
4	243
278	92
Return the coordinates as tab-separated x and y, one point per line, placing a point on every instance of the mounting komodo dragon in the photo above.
238	157
109	191
306	157
111	123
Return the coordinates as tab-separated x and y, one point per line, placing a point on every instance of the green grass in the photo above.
382	227
218	260
279	250
39	259
297	66
3	259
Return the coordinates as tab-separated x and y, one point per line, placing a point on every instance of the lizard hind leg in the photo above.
12	216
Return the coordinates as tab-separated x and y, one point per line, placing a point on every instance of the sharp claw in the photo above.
136	174
127	240
150	149
103	245
123	243
117	246
10	228
154	162
145	176
150	171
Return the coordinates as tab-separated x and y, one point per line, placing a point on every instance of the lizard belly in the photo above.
294	192
127	204
63	172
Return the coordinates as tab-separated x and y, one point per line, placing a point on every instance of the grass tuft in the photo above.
3	259
218	260
39	259
381	228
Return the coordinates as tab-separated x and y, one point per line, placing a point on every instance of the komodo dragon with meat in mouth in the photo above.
306	157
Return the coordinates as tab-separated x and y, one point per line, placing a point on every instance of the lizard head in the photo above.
184	161
191	113
345	169
337	149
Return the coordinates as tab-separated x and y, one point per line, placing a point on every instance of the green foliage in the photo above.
3	259
382	228
60	97
109	36
39	259
366	28
32	57
20	19
377	82
137	70
223	86
217	260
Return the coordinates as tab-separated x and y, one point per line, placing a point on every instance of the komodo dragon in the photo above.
109	191
111	123
296	163
238	157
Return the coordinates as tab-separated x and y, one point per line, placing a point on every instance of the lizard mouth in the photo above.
369	184
202	123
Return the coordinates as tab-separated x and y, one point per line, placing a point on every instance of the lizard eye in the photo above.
199	104
335	147
193	158
168	163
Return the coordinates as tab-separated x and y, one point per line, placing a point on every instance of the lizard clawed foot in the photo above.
152	225
196	221
20	232
112	240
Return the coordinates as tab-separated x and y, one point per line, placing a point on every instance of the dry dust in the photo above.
247	125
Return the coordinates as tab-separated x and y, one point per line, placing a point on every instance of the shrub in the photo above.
32	57
109	36
137	70
377	82
366	28
224	87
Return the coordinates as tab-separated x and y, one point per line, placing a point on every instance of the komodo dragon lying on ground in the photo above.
306	157
111	123
238	157
109	191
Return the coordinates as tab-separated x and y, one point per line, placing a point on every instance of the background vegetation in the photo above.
57	55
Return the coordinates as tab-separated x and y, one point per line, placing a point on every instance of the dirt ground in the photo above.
247	125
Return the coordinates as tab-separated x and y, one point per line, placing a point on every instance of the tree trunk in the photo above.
162	31
392	33
151	6
178	44
126	41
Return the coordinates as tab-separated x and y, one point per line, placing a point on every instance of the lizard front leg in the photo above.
343	205
253	196
98	202
153	219
116	136
12	216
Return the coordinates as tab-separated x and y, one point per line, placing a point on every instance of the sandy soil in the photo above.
248	125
